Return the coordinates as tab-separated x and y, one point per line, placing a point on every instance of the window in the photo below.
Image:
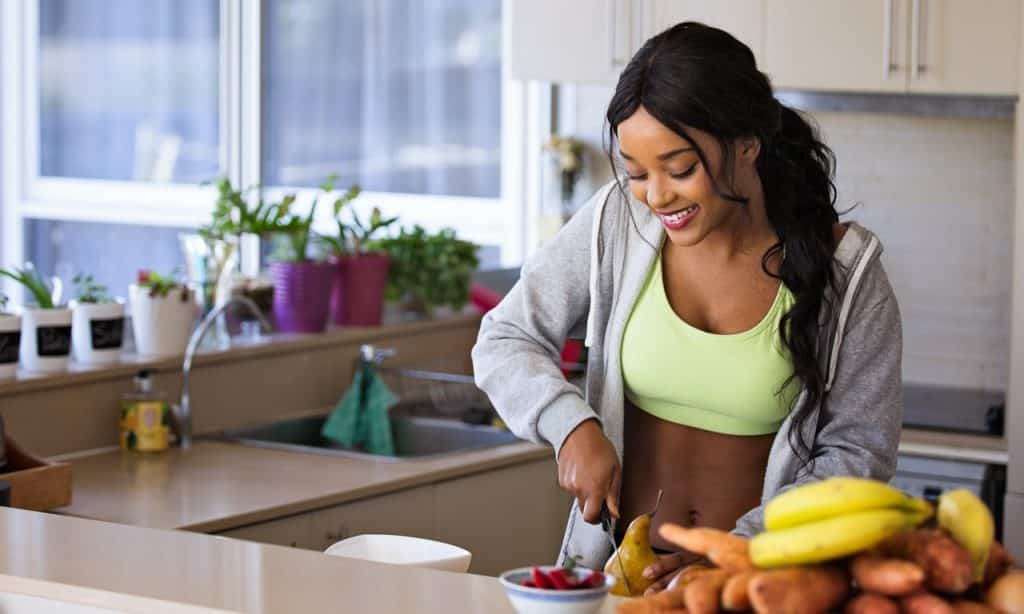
120	110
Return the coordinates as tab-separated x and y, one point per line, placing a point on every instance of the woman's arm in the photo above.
859	427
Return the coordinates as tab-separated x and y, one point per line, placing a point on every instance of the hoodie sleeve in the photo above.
516	359
858	429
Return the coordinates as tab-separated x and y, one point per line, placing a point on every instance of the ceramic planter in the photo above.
97	332
302	294
161	324
45	340
357	296
10	342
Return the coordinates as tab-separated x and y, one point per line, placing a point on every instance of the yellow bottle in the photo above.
145	417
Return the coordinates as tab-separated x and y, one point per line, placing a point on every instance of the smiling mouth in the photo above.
678	216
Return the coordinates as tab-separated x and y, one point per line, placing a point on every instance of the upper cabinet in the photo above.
894	46
741	18
589	41
926	46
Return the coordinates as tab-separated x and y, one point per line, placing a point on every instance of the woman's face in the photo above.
666	173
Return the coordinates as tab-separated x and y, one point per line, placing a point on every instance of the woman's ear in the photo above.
749	148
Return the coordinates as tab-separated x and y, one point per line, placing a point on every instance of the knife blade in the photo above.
606	525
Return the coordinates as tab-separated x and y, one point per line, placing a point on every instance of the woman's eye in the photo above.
686	173
640	177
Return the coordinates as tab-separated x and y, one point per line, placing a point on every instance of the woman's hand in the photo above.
667	569
589	469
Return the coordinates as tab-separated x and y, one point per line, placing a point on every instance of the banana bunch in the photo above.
831	519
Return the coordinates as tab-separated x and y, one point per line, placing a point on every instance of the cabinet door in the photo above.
965	46
293	531
568	40
836	44
409	512
741	18
508	518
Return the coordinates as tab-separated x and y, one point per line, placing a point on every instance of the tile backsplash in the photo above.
939	194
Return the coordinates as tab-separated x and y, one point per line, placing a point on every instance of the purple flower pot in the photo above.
302	292
360	280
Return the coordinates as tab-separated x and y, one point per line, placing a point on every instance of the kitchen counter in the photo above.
214	486
127	568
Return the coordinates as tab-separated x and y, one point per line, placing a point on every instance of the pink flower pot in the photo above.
302	293
360	280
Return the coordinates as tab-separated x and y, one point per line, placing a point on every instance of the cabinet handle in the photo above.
917	42
889	24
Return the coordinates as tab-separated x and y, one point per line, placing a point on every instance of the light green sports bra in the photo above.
721	383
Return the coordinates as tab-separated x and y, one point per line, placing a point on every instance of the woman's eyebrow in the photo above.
664	156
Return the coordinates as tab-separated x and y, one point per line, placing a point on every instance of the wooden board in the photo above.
36	484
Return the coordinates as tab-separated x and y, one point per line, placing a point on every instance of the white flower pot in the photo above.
162	324
97	332
10	340
45	340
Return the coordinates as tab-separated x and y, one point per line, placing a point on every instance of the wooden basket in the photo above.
36	484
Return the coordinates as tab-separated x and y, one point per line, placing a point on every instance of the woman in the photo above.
742	341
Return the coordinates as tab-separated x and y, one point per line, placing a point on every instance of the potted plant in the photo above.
302	286
361	272
162	314
10	339
45	327
97	323
429	271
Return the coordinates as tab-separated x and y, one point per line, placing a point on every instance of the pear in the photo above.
633	556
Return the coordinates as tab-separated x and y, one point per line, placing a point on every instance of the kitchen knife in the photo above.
606	525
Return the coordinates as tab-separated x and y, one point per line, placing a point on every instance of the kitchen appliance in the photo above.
961	410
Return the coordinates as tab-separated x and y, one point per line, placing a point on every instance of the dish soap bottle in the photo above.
145	417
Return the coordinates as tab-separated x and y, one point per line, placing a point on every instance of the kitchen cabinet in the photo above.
897	46
508	518
408	512
293	531
741	18
588	41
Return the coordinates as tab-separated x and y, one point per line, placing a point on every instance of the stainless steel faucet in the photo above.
183	411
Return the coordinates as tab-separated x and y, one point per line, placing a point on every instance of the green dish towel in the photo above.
361	420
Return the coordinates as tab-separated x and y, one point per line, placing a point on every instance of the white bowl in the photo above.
402	550
527	600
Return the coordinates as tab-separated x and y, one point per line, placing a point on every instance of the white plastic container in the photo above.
45	340
97	332
402	550
10	341
162	324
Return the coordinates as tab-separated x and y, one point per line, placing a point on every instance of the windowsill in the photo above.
275	344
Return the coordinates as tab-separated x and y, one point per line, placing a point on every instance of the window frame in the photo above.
501	221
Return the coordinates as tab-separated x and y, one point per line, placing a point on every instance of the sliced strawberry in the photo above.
528	584
541	580
594	580
562	579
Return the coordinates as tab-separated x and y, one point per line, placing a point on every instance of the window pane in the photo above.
397	95
129	90
112	253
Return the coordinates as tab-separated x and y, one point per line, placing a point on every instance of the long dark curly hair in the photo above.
697	76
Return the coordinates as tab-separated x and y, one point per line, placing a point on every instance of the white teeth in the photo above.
679	215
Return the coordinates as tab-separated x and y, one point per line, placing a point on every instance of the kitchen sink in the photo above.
415	437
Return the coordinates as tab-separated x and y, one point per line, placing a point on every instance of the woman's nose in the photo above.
658	194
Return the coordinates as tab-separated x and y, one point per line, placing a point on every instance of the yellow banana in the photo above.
834	497
831	538
970	523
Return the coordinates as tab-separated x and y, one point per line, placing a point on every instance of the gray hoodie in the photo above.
585	282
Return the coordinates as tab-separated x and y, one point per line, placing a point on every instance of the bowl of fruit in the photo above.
556	590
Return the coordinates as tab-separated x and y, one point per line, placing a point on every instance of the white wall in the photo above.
939	193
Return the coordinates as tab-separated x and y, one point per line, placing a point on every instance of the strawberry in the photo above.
541	579
594	580
562	579
528	584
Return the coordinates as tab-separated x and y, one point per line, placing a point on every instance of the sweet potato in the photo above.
687	575
999	562
735	593
798	590
946	564
963	606
871	603
702	540
704	593
732	561
925	603
1007	593
892	577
